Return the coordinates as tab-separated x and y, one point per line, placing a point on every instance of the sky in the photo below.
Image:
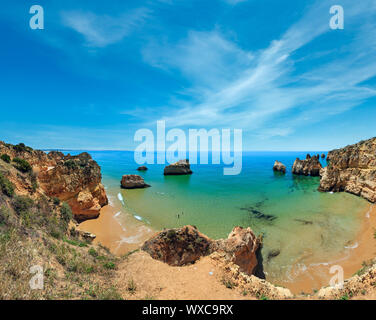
101	70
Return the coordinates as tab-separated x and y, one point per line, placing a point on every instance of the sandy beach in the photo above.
121	233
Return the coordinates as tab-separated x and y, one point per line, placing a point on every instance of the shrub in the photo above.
22	148
6	186
5	158
66	212
56	201
109	265
70	164
131	287
93	252
22	204
22	165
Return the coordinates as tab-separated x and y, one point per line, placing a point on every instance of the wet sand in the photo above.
362	249
122	233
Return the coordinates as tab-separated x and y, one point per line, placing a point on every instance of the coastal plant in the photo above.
131	287
109	265
21	147
66	212
6	186
5	158
22	204
228	283
93	252
22	165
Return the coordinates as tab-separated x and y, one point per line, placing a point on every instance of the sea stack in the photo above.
311	166
323	156
352	169
133	181
181	167
279	167
142	168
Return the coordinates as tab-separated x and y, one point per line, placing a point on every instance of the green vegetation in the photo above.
109	265
262	297
22	165
93	252
22	148
6	186
229	284
56	201
344	297
66	212
70	164
131	287
5	158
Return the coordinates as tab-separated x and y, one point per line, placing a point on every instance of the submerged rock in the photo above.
309	167
279	167
178	168
352	169
178	247
273	253
133	181
142	168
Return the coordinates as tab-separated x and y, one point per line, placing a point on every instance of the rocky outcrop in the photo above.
279	167
185	245
311	166
73	179
133	181
77	181
352	169
178	168
142	168
323	156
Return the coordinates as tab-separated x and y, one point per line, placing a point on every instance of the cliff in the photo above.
72	179
352	169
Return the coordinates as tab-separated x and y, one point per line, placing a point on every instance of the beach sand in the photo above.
122	233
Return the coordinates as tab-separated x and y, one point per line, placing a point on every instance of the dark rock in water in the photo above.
273	253
323	156
142	168
258	214
308	156
279	167
308	167
133	181
352	169
178	168
305	222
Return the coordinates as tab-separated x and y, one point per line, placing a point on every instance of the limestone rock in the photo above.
178	168
352	169
185	245
279	167
133	181
311	166
142	168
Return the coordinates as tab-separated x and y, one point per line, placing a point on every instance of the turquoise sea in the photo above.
305	226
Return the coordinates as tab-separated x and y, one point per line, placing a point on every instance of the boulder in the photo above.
279	166
142	168
181	246
352	169
133	181
309	167
178	168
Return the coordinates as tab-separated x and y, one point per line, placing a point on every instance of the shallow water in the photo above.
307	228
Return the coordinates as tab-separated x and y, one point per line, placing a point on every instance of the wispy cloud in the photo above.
232	86
103	30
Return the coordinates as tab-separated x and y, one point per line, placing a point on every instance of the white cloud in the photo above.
103	30
231	86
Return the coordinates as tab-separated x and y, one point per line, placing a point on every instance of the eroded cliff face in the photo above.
182	246
352	169
73	179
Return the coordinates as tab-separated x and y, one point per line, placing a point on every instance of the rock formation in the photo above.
142	168
323	156
133	181
185	245
311	166
73	179
352	169
178	168
279	167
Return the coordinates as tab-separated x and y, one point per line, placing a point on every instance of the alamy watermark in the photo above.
337	21
196	146
37	20
37	280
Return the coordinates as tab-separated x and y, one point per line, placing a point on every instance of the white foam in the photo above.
138	218
331	192
117	214
353	246
120	197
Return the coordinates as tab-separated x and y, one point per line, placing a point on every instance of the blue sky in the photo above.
100	70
